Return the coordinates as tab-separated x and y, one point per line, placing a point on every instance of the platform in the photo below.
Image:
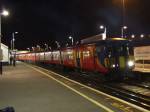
29	89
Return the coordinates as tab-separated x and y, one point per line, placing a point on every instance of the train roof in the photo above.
107	41
99	39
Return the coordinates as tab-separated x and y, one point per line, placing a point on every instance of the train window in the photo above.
68	55
78	54
56	57
119	50
86	53
143	61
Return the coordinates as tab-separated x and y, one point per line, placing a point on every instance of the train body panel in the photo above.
87	60
42	57
99	67
48	57
56	58
142	58
68	57
37	57
33	57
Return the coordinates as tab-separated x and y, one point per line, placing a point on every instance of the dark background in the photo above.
45	21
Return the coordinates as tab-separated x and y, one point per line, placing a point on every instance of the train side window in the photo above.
86	53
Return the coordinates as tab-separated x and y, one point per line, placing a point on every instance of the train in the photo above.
110	59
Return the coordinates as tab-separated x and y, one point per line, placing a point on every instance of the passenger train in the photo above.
110	58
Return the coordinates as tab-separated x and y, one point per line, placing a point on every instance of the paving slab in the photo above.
29	91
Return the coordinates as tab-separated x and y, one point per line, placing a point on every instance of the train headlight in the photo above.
130	63
113	65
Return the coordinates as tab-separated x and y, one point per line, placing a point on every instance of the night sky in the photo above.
46	21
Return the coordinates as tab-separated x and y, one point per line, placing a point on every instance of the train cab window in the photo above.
68	55
98	49
120	50
102	50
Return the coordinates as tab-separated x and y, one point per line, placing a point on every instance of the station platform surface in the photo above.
28	90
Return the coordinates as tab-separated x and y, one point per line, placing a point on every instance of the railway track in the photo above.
144	92
129	96
109	88
145	85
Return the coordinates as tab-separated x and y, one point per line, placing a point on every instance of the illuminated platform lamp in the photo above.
103	34
132	36
122	31
71	38
142	35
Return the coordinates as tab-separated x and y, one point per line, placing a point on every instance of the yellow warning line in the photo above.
97	91
79	93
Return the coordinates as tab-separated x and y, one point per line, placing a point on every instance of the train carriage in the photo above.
91	58
111	56
87	61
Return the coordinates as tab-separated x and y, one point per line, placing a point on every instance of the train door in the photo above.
78	58
88	58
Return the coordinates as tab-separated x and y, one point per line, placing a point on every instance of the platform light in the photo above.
13	40
125	27
133	36
70	37
38	46
28	49
67	44
46	46
77	42
142	35
32	48
105	31
50	48
122	31
5	13
58	45
101	27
